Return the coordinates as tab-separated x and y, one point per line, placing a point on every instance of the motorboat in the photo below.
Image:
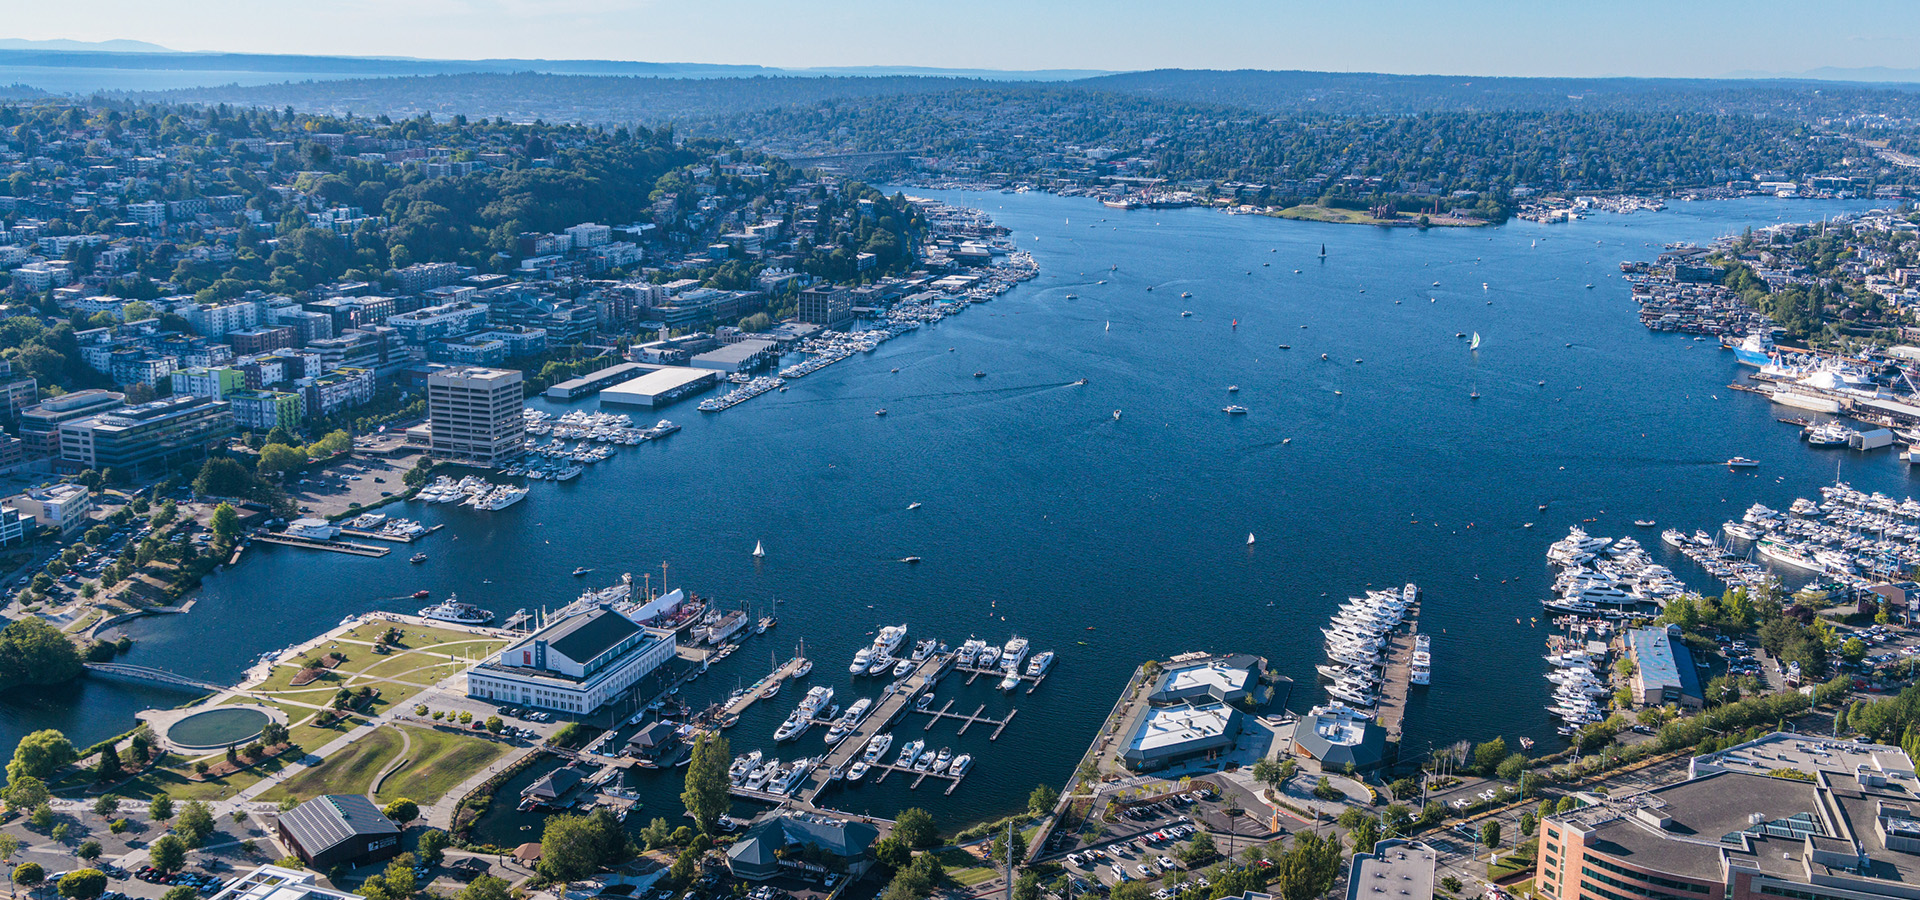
960	765
912	751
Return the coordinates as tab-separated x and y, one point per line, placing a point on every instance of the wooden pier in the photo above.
967	720
886	711
335	546
882	770
760	687
1391	709
974	672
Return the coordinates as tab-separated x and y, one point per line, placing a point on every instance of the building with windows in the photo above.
339	389
433	323
145	436
61	507
1843	824
475	414
1223	679
13	526
265	410
825	304
40	423
216	383
575	664
338	830
214	320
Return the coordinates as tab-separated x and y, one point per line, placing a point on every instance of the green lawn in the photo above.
437	762
964	868
351	771
1311	213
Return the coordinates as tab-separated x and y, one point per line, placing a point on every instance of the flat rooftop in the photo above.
641	391
1394	869
1339	724
1215	677
1174	726
1808	754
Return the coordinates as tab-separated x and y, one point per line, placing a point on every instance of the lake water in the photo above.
1117	541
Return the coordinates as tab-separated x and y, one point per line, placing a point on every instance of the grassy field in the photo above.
1311	213
436	763
350	771
964	868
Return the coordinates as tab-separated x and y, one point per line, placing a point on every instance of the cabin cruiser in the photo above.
862	658
880	664
742	767
451	610
1040	663
912	751
877	747
890	638
1013	654
970	651
960	765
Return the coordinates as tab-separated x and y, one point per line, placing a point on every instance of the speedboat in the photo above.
858	770
1741	462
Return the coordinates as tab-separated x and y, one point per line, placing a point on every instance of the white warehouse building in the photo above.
574	664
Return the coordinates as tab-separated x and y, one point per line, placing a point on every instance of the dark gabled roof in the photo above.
330	820
590	634
554	784
843	839
656	734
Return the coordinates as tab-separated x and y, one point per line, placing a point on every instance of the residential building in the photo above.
40	423
422	277
338	830
337	390
575	664
262	339
218	319
13	526
476	414
433	323
307	325
825	304
60	507
16	393
351	348
214	383
144	436
257	410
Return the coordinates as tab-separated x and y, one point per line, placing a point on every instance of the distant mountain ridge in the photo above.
138	55
62	45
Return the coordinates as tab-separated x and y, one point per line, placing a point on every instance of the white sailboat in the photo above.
1249	538
1109	324
1475	343
758	551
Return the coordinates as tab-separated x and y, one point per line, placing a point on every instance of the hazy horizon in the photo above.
1492	38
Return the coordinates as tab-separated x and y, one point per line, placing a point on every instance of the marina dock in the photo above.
967	721
335	546
759	687
890	709
1397	680
882	770
973	672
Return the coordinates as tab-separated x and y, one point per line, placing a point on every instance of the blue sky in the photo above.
1486	37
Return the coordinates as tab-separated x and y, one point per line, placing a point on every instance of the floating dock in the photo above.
759	687
889	709
335	546
967	721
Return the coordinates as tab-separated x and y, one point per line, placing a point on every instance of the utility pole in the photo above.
1009	861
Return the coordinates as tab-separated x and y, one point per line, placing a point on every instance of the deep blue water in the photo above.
1116	541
